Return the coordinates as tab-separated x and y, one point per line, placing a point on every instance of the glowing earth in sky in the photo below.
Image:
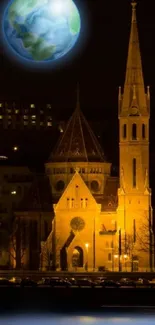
41	30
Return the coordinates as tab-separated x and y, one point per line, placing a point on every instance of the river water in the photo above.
53	319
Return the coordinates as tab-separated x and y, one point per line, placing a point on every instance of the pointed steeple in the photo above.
78	142
134	90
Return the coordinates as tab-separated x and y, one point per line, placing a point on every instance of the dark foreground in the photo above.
28	299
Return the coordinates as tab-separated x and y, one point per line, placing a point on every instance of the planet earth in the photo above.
41	30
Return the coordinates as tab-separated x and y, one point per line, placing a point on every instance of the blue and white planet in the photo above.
41	30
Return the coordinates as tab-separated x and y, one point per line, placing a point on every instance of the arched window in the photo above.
143	131
134	131
134	171
124	131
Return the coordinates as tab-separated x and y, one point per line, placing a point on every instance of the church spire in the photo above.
134	82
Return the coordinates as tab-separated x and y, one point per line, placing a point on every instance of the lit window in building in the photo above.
17	111
134	131
25	117
1	104
13	192
41	123
49	123
143	131
124	131
33	122
3	157
32	106
61	129
9	117
1	117
49	106
15	148
134	171
33	117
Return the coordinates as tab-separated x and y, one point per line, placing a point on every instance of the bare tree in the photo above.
48	252
17	246
145	236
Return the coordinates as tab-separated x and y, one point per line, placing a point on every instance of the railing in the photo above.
107	232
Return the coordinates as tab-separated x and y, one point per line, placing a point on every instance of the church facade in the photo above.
102	222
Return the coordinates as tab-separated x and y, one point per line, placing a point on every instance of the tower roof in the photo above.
78	142
134	91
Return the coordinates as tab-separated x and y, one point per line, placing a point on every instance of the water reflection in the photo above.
52	319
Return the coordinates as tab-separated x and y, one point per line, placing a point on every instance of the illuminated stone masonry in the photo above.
102	222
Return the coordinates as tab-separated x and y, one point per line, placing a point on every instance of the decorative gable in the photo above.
77	196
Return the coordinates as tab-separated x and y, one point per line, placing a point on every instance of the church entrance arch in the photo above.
77	257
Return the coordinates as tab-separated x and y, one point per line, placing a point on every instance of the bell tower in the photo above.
134	194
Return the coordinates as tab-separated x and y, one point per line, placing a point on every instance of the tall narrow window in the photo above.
143	131
124	131
134	131
134	171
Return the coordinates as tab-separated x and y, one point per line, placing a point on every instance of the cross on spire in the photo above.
133	4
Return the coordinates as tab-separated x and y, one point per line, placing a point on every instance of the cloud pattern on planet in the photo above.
41	30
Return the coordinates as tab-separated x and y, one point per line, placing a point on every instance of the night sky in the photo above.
98	65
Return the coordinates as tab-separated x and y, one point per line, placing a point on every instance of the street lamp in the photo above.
113	222
87	246
116	256
15	148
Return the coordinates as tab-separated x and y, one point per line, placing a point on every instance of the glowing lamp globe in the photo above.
41	30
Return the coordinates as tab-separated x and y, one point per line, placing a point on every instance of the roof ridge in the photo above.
78	142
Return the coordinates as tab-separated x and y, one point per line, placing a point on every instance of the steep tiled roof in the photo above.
78	142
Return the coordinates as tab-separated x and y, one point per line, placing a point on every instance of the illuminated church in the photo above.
103	222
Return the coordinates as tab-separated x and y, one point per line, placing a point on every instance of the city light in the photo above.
15	148
3	157
13	192
87	245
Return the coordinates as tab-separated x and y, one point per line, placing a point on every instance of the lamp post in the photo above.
151	238
115	258
87	247
94	244
119	257
112	246
120	249
125	259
